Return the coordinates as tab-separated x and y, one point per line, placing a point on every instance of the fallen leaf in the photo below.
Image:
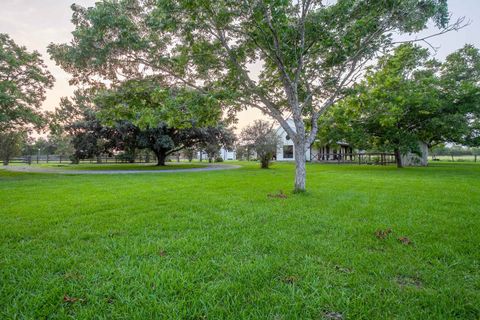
290	279
69	299
383	234
279	195
405	240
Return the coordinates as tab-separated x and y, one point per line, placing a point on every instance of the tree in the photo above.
125	136
261	137
168	119
214	138
24	79
189	153
77	118
61	144
460	83
243	152
11	144
307	52
409	102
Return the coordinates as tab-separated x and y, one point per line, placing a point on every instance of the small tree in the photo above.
261	137
10	145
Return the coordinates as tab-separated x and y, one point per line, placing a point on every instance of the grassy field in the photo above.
457	158
238	244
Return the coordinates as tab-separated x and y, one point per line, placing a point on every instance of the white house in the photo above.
334	152
225	154
228	154
286	149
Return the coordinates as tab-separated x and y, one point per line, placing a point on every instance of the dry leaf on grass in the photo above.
279	195
405	240
69	299
383	234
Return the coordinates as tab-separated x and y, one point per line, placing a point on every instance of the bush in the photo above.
218	159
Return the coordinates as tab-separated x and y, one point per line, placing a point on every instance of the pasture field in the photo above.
365	242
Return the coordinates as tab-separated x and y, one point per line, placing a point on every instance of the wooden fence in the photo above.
355	158
36	159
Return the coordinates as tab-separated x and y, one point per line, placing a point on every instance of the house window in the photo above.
287	152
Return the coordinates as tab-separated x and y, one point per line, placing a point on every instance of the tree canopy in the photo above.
24	79
410	98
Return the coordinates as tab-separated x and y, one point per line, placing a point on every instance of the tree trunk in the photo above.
300	170
161	157
5	162
132	156
424	153
398	158
264	161
99	158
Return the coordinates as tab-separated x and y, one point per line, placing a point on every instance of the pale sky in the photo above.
36	23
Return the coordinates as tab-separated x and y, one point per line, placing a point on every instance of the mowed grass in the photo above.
225	245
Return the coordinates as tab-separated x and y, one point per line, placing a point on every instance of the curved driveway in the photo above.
213	167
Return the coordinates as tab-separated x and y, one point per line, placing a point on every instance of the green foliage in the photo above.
24	79
11	143
145	103
408	98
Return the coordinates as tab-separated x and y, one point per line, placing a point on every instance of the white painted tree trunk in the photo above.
413	159
424	150
300	170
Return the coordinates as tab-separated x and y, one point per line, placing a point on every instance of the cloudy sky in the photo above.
36	23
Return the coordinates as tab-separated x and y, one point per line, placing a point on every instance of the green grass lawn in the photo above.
122	166
222	245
